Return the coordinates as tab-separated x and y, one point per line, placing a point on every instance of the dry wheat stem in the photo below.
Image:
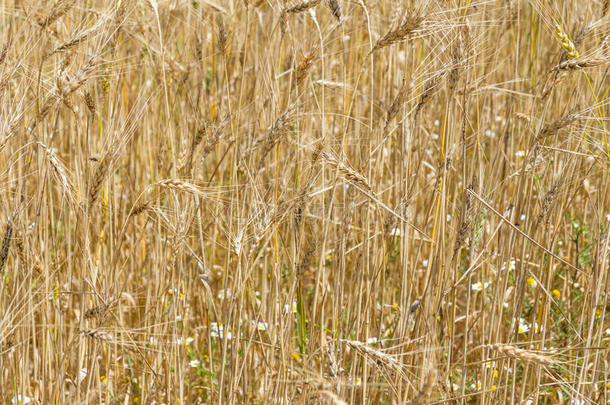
526	236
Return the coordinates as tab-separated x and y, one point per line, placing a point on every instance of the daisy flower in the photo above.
524	327
478	286
262	326
531	282
180	341
222	294
290	308
217	330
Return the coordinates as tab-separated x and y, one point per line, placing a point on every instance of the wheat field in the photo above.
304	202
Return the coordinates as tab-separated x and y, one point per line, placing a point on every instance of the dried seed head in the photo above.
304	66
468	214
400	34
140	208
98	180
577	64
6	243
213	139
565	42
58	10
430	88
344	169
4	51
521	354
335	9
90	102
302	6
546	203
398	102
223	38
379	357
555	126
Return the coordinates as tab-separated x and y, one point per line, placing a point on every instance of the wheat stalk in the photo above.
521	354
554	127
304	66
57	11
577	64
335	9
565	42
180	185
98	180
400	34
6	243
302	6
344	170
377	356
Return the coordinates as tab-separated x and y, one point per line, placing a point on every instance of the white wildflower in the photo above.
222	294
217	330
291	308
262	326
524	327
478	286
21	399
